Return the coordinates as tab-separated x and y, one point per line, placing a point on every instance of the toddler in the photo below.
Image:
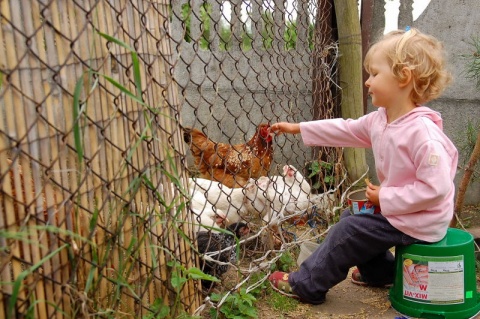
415	164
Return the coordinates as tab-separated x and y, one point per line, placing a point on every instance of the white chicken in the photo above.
256	197
290	189
205	215
325	203
228	200
278	195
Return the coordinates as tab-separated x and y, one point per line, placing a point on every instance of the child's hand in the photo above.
284	127
372	193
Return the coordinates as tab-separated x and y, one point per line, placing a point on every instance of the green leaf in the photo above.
123	89
214	313
159	309
177	281
315	166
195	273
251	312
76	120
136	75
92	272
19	280
115	40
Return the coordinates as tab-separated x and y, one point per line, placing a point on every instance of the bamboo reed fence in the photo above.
89	131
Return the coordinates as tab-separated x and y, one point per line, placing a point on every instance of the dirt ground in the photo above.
344	301
349	301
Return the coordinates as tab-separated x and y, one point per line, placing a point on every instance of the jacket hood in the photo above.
422	111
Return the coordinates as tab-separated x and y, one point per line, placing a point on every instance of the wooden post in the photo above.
350	65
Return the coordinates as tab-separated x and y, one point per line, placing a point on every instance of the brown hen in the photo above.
231	165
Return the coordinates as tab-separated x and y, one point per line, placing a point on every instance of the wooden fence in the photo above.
89	146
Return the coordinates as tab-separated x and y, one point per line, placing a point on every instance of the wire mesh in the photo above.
243	64
95	96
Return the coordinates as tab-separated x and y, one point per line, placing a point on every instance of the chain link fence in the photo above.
95	217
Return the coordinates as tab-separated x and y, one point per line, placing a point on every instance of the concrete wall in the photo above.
454	23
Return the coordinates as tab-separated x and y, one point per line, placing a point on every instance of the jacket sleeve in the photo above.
337	132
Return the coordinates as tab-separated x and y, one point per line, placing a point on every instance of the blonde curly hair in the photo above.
419	52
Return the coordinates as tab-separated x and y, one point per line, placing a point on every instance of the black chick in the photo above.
210	242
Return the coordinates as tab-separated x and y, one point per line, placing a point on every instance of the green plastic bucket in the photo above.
437	280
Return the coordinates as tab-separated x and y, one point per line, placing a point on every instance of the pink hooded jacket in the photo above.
415	164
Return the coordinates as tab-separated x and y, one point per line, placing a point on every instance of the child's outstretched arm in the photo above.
284	127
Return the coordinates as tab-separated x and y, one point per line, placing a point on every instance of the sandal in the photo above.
279	282
357	279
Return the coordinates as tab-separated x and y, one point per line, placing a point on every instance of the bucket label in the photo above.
433	280
363	208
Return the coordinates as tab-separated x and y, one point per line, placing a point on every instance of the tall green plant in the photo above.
124	268
205	21
225	33
472	61
290	35
238	305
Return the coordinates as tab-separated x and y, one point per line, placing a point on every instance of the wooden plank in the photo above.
56	46
102	110
122	141
23	182
7	218
69	74
39	148
133	129
156	24
146	52
111	129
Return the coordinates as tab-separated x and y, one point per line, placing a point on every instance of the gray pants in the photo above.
360	240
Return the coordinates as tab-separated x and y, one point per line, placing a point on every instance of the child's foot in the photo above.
279	282
358	280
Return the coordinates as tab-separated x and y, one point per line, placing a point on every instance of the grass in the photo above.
280	302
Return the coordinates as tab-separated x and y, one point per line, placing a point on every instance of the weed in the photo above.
280	302
467	144
285	262
322	175
472	69
118	257
237	305
159	310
